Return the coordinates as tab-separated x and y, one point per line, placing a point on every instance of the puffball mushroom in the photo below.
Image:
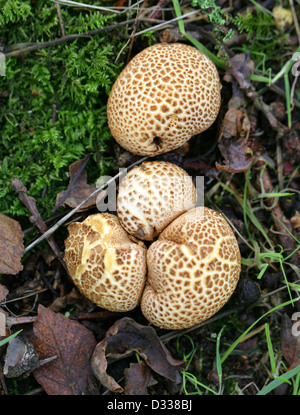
151	196
105	265
166	94
193	269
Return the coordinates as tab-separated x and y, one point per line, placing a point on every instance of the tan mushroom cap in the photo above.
105	265
165	95
193	269
151	196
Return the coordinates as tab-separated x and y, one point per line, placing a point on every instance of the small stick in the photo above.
13	321
64	39
98	315
135	26
32	228
63	33
157	10
71	213
36	218
295	19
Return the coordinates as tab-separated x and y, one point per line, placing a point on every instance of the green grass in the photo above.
270	349
280	380
9	338
218	62
192	384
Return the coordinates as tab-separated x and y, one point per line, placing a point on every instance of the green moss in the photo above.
53	101
266	43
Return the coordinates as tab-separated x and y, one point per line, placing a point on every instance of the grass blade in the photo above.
276	382
218	359
270	349
288	99
233	346
195	42
9	338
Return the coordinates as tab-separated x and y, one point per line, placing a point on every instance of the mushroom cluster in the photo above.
184	277
164	96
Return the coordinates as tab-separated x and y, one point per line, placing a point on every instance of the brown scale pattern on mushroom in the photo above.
165	95
193	269
151	196
105	265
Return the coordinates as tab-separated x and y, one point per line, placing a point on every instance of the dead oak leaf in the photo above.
138	378
55	334
78	188
126	336
11	245
233	142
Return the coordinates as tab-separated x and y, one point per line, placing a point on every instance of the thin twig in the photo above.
32	228
167	22
3	303
63	33
158	9
175	333
135	26
71	213
70	38
65	39
295	19
36	218
117	10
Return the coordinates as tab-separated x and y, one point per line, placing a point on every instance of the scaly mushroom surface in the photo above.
193	269
166	94
105	265
151	196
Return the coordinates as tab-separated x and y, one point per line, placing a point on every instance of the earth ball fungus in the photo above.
151	196
193	269
166	94
105	265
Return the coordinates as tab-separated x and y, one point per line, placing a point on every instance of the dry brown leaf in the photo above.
78	189
290	344
2	323
11	246
54	334
233	142
137	379
126	336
